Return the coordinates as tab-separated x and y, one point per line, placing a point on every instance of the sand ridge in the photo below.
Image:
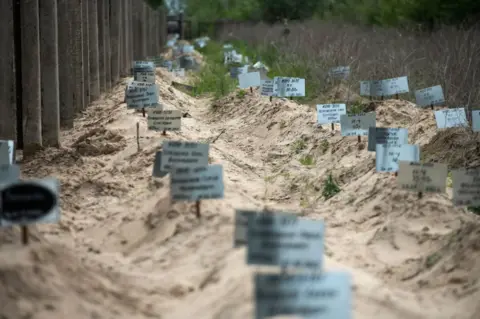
122	250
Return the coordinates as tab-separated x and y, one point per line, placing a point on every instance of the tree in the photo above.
7	77
85	54
32	117
93	45
65	88
108	54
75	10
101	43
115	20
50	109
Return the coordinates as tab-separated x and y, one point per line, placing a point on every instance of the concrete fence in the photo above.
58	56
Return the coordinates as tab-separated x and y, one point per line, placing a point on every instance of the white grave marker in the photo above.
141	95
430	96
451	118
164	120
145	76
387	157
180	72
196	183
326	296
277	240
384	87
476	120
386	135
466	187
9	173
422	178
357	125
241	224
286	87
330	113
247	80
6	152
183	154
267	88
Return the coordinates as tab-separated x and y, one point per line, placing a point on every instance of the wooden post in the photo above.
197	208
25	235
359	138
333	127
164	133
143	111
138	136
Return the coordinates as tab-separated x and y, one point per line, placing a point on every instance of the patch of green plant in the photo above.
212	80
330	187
432	259
356	107
307	160
241	94
474	209
298	146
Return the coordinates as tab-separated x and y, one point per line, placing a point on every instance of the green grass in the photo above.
307	160
330	187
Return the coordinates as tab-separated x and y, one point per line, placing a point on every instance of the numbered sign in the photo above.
357	125
466	187
7	152
196	183
267	88
241	223
164	120
330	113
145	76
326	296
387	157
430	96
297	242
451	118
183	154
425	178
476	120
141	95
386	135
340	72
289	87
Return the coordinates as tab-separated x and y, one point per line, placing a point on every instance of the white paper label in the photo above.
183	154
196	183
241	224
247	80
286	87
425	178
386	135
276	240
430	96
147	65
330	113
387	157
466	187
188	49
147	76
180	72
476	120
164	120
6	152
141	95
451	118
267	88
9	173
357	125
325	296
340	72
384	87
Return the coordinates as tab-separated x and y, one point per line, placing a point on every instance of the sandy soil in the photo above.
122	250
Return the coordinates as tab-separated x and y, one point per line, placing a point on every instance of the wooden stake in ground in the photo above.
396	96
138	136
251	90
431	106
25	235
164	133
359	138
197	208
143	111
333	127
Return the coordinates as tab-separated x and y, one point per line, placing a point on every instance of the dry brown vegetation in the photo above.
449	57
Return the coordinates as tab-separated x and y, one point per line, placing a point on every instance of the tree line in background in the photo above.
399	13
57	56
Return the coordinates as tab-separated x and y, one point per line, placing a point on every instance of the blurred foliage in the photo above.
154	4
426	14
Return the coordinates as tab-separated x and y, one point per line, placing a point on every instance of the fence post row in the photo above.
57	56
